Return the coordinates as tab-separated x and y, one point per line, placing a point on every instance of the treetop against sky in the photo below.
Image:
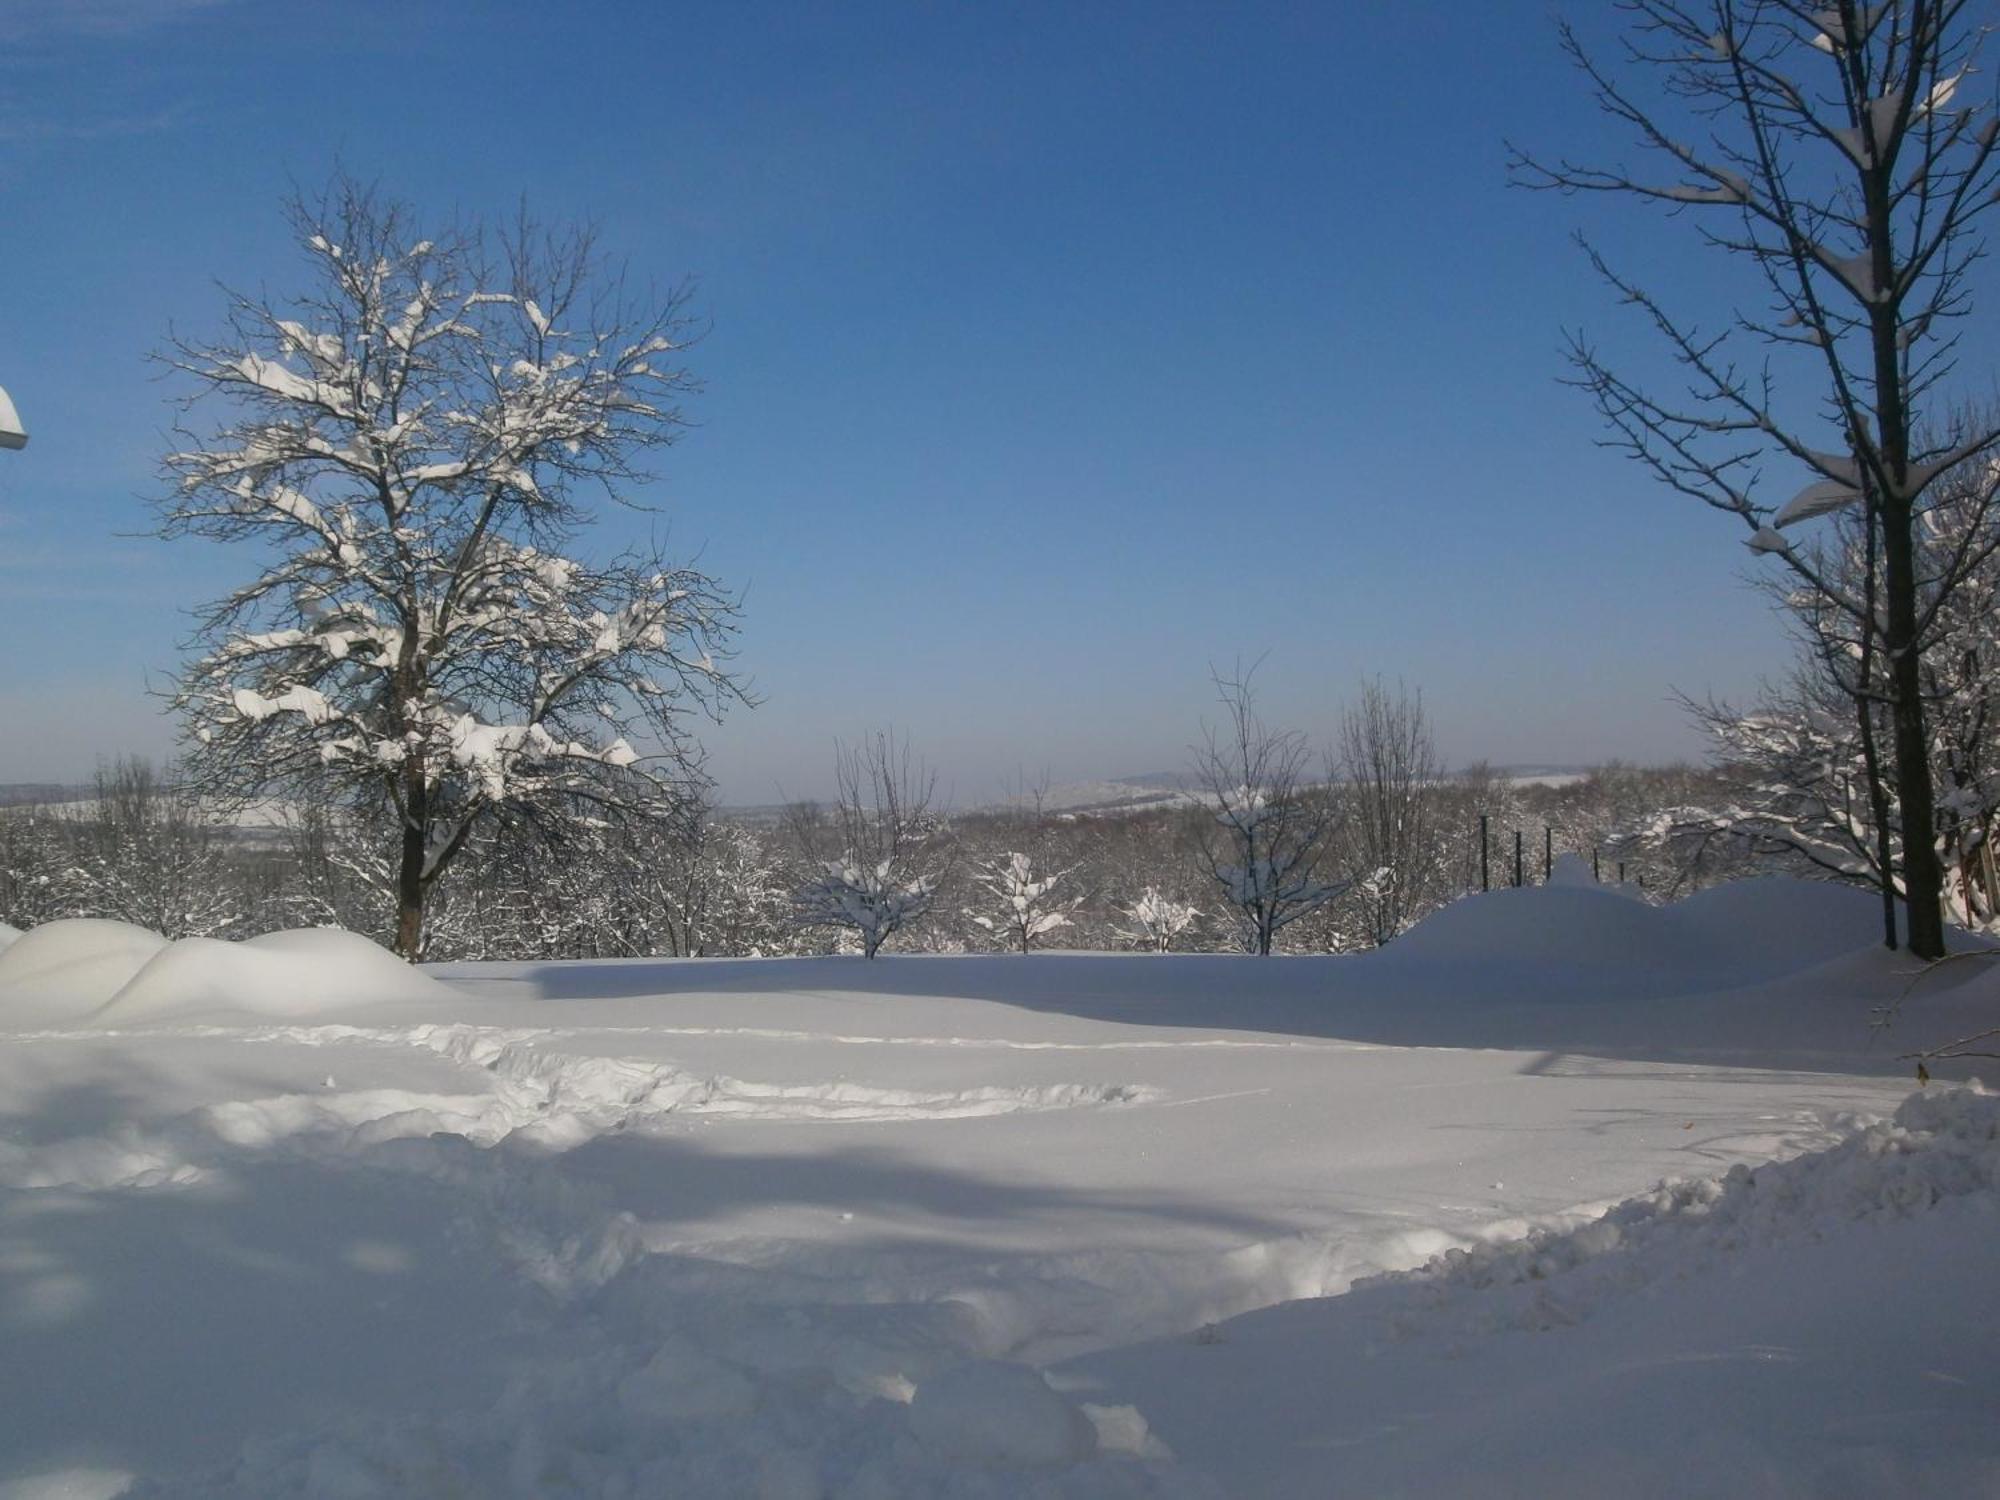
1049	355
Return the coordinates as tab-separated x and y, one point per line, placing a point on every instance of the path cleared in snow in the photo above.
1066	1225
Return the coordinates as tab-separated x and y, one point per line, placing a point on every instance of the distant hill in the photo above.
21	793
1157	789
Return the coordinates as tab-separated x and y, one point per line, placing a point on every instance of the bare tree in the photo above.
1026	799
874	852
1270	824
1835	150
1390	779
410	447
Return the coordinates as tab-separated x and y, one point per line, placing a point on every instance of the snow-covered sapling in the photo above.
1024	904
1158	919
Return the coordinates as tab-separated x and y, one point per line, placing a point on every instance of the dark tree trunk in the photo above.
1864	709
410	884
1923	872
1878	812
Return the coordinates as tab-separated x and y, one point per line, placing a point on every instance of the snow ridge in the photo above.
1942	1145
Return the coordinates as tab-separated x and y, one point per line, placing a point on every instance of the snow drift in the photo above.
1941	1145
1815	1327
62	971
1748	930
90	970
290	974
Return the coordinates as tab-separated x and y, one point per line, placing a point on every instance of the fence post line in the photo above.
1517	857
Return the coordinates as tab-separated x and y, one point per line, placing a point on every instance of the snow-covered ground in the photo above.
284	1219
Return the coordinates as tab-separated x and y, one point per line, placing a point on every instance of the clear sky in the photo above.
1056	351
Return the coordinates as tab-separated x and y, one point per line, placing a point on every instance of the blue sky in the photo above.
1055	352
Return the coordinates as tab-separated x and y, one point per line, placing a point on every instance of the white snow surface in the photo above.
64	970
1559	1194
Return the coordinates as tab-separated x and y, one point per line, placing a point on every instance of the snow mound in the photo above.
290	974
1562	924
1942	1145
997	1414
9	934
1772	924
1571	869
64	970
1750	929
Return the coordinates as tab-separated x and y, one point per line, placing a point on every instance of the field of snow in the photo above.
286	1219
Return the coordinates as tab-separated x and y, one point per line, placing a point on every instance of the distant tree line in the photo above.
1204	874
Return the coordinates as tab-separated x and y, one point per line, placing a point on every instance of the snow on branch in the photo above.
416	443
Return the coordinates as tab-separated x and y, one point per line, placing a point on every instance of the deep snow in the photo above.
286	1219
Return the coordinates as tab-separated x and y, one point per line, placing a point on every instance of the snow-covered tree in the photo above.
411	447
1158	919
1270	828
338	867
875	854
1839	152
705	886
1024	904
872	901
1800	765
1793	788
35	863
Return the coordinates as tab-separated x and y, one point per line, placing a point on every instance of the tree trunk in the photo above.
410	888
1923	872
1878	812
1864	709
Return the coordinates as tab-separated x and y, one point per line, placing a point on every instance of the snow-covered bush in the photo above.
1023	905
871	901
1157	920
877	854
